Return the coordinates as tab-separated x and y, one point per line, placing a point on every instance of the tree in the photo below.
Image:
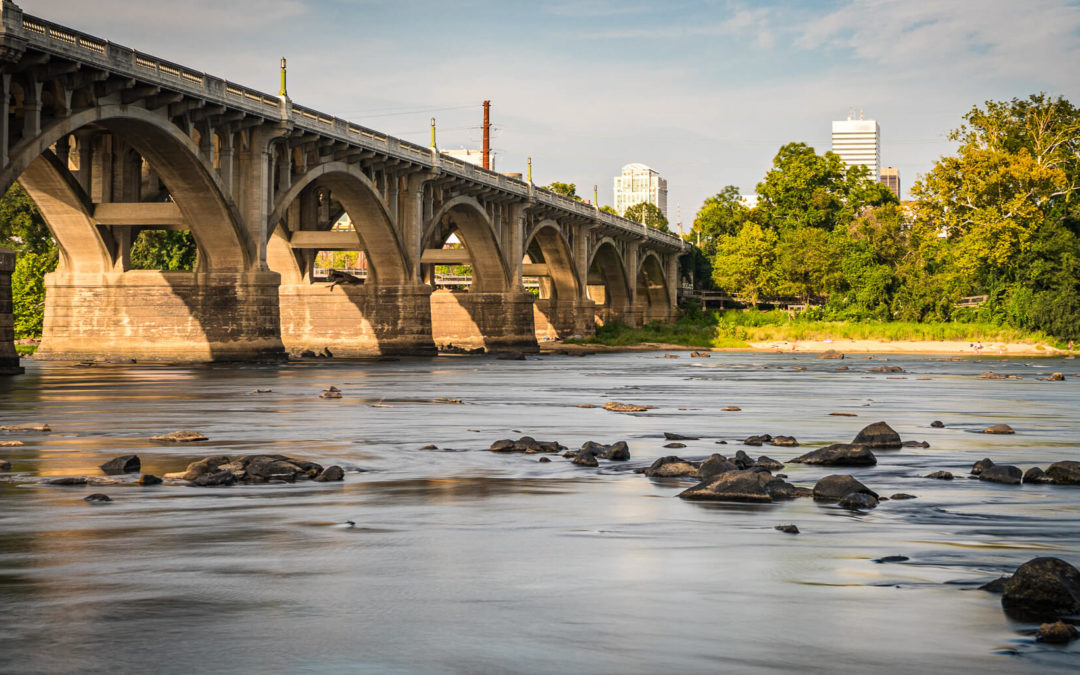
564	189
649	214
23	229
746	262
168	250
608	209
720	215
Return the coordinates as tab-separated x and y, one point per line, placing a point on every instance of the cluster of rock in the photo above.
1059	473
591	451
779	441
220	470
1042	589
859	452
527	445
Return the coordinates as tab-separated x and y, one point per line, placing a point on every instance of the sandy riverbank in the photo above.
952	347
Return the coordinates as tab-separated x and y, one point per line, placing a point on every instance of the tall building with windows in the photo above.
639	183
858	143
891	178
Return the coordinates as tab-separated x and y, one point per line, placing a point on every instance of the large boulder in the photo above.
998	429
1002	473
672	467
768	463
784	441
878	435
838	486
715	465
1036	475
1064	473
122	464
266	468
839	454
742	460
981	465
215	478
1042	588
758	440
857	501
204	465
731	486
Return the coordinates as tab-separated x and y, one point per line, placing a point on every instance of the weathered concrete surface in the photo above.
356	321
9	358
495	322
162	316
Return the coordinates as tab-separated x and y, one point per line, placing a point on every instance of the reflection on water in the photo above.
462	560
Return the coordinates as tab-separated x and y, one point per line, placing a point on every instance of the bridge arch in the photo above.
608	284
652	288
477	233
555	312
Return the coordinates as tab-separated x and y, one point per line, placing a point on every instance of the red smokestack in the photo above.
487	134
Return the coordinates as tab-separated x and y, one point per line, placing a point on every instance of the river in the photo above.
462	560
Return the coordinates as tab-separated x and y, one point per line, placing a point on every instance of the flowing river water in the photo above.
463	560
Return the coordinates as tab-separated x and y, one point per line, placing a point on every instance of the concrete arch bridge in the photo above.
109	142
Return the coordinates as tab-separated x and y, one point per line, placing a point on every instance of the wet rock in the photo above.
1064	473
618	451
887	369
25	427
842	368
991	375
1056	377
5	465
779	489
797	367
858	501
330	394
731	408
527	445
615	406
332	390
266	468
700	355
678	437
11	444
768	463
67	480
839	454
585	459
262	391
672	467
1057	633
183	436
330	473
940	475
97	498
789	529
430	446
981	465
831	354
1042	588
585	405
757	440
511	356
731	486
204	465
1002	473
937	424
999	429
784	441
122	464
671	356
915	444
215	479
996	586
715	465
544	460
742	460
892	559
149	479
843	414
1035	475
675	445
838	486
902	495
878	436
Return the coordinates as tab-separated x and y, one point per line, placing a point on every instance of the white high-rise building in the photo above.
858	143
638	183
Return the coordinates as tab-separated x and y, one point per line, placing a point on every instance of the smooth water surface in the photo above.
462	560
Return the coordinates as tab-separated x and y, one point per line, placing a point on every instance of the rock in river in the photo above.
526	444
672	467
330	473
674	445
122	464
215	478
878	435
838	486
1042	588
839	454
784	442
615	406
97	498
1035	475
858	501
731	486
1002	473
790	529
618	451
940	475
1057	633
678	437
5	465
981	465
937	424
183	436
999	429
831	354
768	463
149	479
1064	473
715	465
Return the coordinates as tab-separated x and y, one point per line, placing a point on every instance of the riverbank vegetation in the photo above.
1000	219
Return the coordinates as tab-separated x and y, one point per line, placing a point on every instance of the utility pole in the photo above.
487	134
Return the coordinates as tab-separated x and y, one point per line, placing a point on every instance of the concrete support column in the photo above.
101	169
32	109
254	182
476	321
5	111
85	140
226	157
514	244
635	315
671	272
412	218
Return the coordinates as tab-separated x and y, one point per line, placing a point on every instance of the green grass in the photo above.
25	350
737	329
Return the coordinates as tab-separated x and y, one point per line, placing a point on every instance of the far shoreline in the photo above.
845	345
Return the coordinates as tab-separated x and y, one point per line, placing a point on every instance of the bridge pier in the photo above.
356	321
495	322
9	358
149	315
554	319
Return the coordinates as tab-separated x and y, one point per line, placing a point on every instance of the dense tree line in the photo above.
999	218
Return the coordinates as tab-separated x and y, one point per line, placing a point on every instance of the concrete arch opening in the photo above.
607	286
485	311
558	304
653	299
87	173
344	312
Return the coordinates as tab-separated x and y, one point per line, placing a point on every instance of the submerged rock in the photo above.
122	464
674	445
68	480
672	467
878	435
97	498
182	436
940	475
902	495
1042	588
838	486
789	529
678	437
839	454
991	375
1064	473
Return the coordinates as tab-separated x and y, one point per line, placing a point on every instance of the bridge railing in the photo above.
128	62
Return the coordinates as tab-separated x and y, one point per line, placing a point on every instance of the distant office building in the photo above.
471	156
891	178
638	183
858	143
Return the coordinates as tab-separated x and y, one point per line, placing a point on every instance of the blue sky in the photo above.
705	92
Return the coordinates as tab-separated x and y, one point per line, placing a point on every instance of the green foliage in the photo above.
21	226
608	209
649	214
166	250
746	262
564	189
28	290
721	215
